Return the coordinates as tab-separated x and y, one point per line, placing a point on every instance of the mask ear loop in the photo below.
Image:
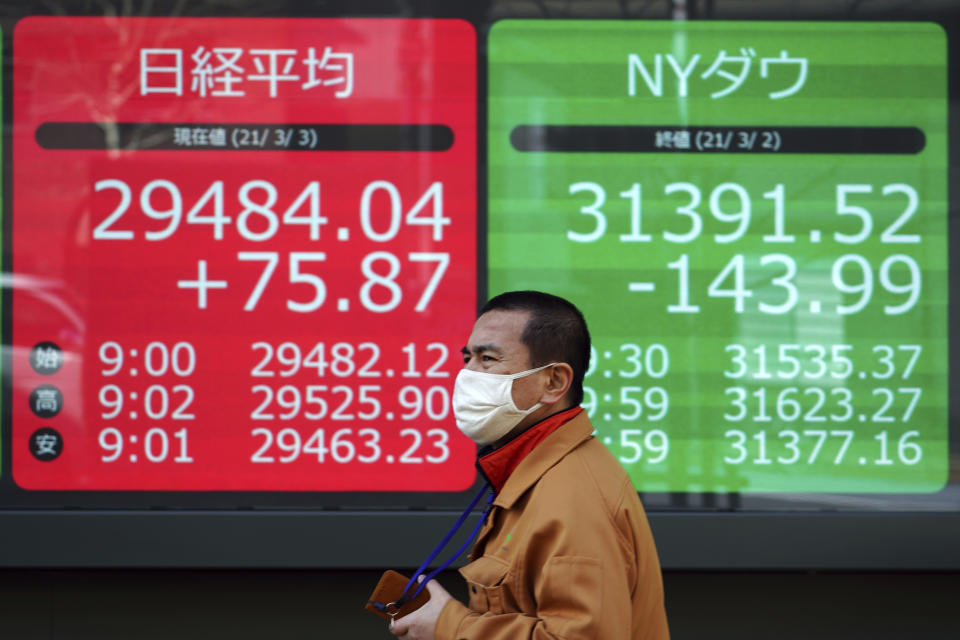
528	372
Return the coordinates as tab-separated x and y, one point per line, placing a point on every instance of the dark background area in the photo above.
241	605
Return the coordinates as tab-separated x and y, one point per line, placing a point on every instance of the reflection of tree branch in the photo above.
103	108
679	9
111	135
137	141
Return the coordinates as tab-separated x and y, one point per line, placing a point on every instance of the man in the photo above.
566	551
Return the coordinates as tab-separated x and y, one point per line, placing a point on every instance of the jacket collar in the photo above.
519	464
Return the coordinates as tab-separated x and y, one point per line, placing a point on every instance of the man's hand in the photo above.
419	624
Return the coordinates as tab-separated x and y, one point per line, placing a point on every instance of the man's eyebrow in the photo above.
480	348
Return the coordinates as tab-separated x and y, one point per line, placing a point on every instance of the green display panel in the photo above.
753	218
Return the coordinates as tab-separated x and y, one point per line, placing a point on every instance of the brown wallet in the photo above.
388	591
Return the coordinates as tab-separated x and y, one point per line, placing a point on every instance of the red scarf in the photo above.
500	463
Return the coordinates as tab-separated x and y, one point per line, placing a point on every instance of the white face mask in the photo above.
483	404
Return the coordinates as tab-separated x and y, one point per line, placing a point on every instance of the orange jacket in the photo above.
566	552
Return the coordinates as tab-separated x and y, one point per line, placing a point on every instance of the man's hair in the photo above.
555	332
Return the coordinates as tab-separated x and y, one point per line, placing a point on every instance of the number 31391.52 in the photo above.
730	203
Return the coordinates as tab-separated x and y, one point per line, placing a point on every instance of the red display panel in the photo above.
244	253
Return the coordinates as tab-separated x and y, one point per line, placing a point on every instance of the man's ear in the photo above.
559	379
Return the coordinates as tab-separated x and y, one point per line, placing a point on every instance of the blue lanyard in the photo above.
405	597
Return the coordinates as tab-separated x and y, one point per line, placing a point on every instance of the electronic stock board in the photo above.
245	252
753	217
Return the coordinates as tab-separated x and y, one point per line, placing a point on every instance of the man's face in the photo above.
494	346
